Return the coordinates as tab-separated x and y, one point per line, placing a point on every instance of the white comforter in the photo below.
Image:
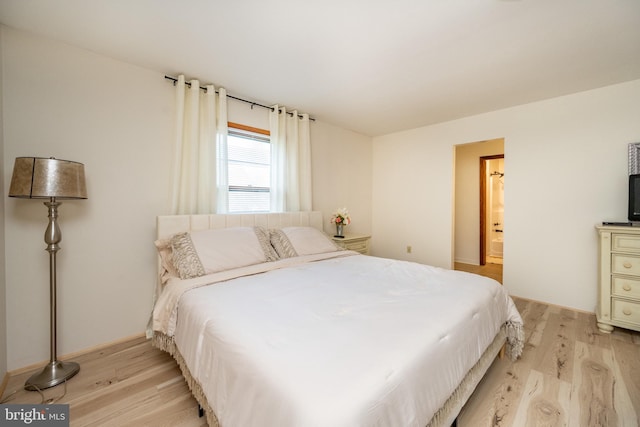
348	341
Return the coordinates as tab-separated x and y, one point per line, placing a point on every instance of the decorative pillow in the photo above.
185	258
281	244
265	242
295	241
167	269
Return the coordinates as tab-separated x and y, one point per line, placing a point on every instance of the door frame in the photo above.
484	161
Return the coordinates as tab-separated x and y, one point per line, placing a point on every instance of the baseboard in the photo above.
578	310
3	386
74	355
467	261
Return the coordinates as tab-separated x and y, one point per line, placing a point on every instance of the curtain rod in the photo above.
253	104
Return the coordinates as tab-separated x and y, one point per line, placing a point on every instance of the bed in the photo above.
272	324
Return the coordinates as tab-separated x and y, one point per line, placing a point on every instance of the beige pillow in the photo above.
296	241
210	251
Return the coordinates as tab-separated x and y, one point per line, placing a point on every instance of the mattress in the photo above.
342	341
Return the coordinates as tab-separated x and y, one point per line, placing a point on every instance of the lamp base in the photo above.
54	373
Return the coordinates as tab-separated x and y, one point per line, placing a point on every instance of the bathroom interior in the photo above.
495	211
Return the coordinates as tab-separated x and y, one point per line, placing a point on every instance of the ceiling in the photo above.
371	66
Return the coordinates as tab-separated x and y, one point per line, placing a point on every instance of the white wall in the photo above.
117	119
467	197
341	161
566	159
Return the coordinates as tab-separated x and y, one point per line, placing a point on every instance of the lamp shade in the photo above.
43	178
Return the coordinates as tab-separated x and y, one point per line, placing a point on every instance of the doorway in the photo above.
491	209
467	214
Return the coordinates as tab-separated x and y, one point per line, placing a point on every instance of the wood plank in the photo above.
545	402
626	363
119	394
557	341
496	398
600	396
587	331
534	316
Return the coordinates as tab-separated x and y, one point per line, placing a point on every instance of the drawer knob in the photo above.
626	264
626	287
626	312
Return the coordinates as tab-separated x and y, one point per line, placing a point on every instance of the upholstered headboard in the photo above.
168	225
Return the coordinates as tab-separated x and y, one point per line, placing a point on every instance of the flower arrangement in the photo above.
341	217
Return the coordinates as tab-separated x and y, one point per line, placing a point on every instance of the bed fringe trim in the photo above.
515	339
167	344
445	416
514	333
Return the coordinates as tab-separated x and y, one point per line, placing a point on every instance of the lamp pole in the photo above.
55	372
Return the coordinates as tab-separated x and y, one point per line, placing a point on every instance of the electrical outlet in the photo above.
409	249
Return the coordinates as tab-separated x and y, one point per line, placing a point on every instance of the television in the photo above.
634	197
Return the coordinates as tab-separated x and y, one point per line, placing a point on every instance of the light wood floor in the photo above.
569	375
489	270
129	384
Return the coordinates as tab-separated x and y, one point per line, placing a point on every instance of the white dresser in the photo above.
619	278
354	242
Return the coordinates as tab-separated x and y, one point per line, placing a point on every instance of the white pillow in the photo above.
220	249
227	248
292	241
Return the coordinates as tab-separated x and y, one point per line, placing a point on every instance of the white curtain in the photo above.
200	150
290	161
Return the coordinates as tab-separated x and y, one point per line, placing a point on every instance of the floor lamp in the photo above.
52	180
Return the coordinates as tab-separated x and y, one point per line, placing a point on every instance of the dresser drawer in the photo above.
624	287
357	242
625	243
625	311
625	264
357	246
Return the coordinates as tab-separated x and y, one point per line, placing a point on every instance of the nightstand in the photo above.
354	242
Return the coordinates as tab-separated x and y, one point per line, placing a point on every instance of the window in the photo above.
249	168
